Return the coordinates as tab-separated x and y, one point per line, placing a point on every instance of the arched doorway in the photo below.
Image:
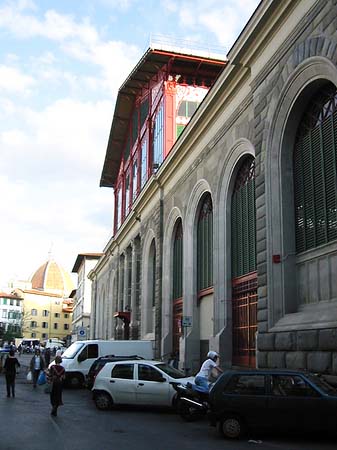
205	272
177	286
243	259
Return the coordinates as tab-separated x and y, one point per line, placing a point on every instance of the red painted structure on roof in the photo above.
153	106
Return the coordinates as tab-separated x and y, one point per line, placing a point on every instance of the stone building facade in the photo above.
260	154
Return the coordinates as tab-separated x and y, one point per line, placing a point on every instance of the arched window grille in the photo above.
205	244
244	220
314	169
178	261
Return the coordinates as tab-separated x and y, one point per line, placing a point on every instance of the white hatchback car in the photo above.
136	383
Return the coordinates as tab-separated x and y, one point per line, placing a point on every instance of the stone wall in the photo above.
312	350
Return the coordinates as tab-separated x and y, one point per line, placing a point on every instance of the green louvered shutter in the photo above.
178	262
243	218
315	192
205	245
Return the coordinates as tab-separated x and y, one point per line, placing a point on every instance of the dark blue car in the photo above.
246	400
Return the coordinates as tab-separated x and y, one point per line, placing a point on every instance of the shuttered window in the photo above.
244	220
178	262
205	244
315	157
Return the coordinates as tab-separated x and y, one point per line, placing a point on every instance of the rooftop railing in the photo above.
187	47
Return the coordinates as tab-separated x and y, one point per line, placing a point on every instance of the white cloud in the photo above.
79	40
123	5
224	19
73	216
67	133
12	80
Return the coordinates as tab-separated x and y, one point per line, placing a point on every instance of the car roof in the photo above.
252	371
119	356
140	361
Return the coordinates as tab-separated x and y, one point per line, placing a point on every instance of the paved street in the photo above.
26	424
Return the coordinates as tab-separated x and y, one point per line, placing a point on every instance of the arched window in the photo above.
244	276
205	244
244	220
178	261
315	160
152	274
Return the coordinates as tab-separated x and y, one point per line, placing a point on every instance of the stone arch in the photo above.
110	304
171	221
222	252
147	327
101	313
190	349
308	76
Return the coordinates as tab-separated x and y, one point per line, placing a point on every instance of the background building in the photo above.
84	263
47	308
11	307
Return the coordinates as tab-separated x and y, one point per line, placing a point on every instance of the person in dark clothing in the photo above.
10	366
56	376
47	356
37	363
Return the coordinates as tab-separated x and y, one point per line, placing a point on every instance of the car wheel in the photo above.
102	400
232	427
75	381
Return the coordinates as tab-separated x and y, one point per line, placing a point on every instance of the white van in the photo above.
54	344
78	358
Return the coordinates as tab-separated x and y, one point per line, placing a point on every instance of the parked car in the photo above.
78	358
99	363
241	401
134	382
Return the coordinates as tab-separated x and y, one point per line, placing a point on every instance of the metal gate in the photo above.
244	310
177	328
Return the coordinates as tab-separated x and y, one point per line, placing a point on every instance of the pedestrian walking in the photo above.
47	356
37	363
10	366
56	376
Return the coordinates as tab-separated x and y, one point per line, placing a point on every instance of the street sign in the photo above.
82	332
186	321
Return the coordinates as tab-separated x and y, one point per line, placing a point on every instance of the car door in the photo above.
245	394
122	383
294	404
152	386
86	357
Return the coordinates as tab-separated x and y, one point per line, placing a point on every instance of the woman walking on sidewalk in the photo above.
37	363
10	367
56	376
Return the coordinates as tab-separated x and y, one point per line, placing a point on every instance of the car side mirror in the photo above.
161	379
81	357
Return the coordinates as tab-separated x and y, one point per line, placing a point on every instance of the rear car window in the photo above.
246	385
124	371
292	386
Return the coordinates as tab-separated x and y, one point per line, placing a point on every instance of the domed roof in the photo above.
51	277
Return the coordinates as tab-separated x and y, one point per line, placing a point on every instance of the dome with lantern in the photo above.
53	278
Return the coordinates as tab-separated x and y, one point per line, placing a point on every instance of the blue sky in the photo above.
61	64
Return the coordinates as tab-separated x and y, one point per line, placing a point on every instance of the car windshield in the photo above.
322	384
171	371
72	351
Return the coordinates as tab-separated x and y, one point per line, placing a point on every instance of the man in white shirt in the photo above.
202	377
